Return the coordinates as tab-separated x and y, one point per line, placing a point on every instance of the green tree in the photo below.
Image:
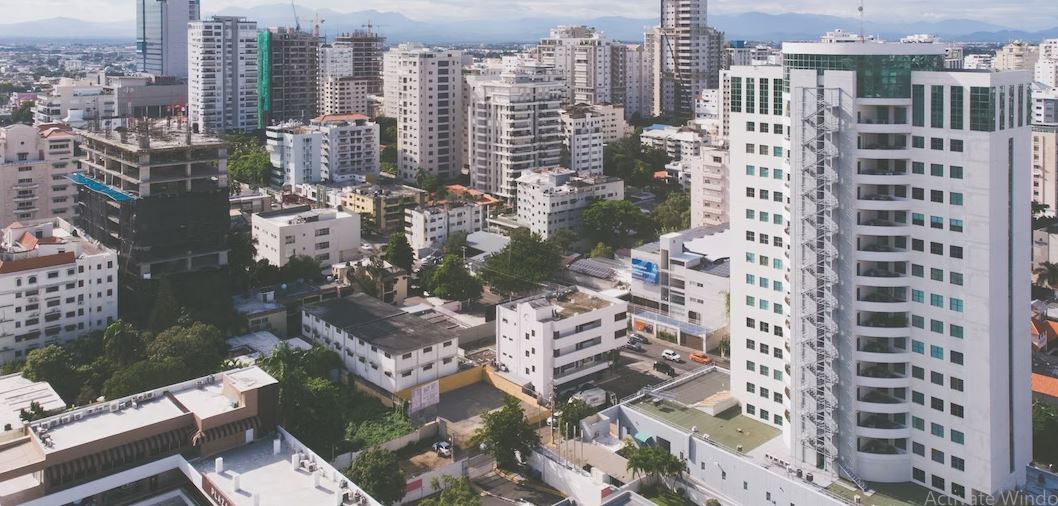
570	414
165	310
123	344
199	347
629	160
525	262
301	267
24	113
53	364
387	130
241	263
652	461
309	404
252	167
370	278
674	213
428	182
35	412
601	250
398	252
457	492
388	159
145	375
563	240
617	223
377	471
1044	432
1047	275
455	243
506	431
452	281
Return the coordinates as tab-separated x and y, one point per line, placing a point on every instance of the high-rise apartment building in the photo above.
638	81
878	306
710	195
158	195
34	163
513	126
1045	166
1017	55
587	129
161	35
336	148
357	54
690	55
287	74
583	56
425	85
344	95
222	74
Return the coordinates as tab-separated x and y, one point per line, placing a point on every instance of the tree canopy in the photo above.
1044	432
630	161
525	262
652	461
674	213
457	492
53	364
398	252
248	162
377	471
506	431
309	403
616	223
451	280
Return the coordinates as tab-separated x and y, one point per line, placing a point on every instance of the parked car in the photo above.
633	346
636	338
671	355
700	357
443	448
665	368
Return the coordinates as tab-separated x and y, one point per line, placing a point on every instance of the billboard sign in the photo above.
425	396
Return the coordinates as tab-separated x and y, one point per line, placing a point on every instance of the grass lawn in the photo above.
665	497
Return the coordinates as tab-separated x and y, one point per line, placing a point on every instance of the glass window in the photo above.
955	305
918	423
917	141
763	172
936	429
955	331
776	99
918	168
936	169
955	171
918	106
777	173
918	219
936	326
957	357
763	103
936	144
936	300
918	346
955	225
955	198
776	151
957	437
936	351
956	93
751	96
917	296
936	107
982	109
736	94
955	278
750	170
955	145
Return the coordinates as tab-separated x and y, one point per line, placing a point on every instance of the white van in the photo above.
593	397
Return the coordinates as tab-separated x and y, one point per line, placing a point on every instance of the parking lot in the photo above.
503	492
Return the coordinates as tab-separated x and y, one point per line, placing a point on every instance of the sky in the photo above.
1018	14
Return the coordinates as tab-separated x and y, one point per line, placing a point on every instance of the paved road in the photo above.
653	352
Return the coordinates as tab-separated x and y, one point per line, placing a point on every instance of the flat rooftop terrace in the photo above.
729	428
885	494
271	476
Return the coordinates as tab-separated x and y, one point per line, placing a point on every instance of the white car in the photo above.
443	448
671	355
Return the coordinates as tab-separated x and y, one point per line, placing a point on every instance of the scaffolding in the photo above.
817	276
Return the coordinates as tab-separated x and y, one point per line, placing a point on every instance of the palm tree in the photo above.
1047	275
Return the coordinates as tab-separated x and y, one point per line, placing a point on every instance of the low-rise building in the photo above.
678	142
384	281
680	286
326	234
380	343
55	286
383	205
428	227
34	163
554	199
551	342
262	312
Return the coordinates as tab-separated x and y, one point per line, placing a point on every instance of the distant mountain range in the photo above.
753	26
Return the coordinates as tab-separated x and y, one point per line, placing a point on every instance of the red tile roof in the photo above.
1045	385
340	117
28	241
28	264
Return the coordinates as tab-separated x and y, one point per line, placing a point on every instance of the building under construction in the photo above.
287	73
357	54
157	194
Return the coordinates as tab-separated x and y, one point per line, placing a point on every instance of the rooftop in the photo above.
300	214
17	393
202	396
157	134
380	324
884	494
567	302
272	477
729	429
1045	385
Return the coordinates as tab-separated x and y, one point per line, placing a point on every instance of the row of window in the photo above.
764	304
764	172
764	282
937	326
764	239
764	216
776	263
937	143
763	414
937	481
937	300
937	222
762	149
936	169
775	329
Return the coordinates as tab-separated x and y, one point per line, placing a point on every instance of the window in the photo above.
918	98
917	296
936	300
955	305
936	222
955	251
958	437
956	410
982	109
918	219
936	169
936	107
956	108
918	141
955	331
918	423
937	456
916	473
956	384
955	225
918	372
918	346
918	449
955	145
776	151
958	464
918	168
936	143
936	196
955	198
936	429
750	170
956	357
936	378
936	351
936	403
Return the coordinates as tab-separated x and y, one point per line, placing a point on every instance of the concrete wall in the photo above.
451	382
422	485
427	431
570	480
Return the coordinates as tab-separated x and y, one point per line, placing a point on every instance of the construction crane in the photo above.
297	22
316	22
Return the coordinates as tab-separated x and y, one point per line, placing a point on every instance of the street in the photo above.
654	347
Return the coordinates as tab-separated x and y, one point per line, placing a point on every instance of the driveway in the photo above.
501	492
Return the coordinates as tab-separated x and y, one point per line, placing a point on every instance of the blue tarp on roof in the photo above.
114	193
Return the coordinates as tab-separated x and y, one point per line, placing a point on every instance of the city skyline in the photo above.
1024	15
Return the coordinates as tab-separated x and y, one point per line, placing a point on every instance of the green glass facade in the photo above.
982	109
956	119
936	106
736	94
877	76
918	105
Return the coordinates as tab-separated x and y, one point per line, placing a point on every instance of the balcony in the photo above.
879	226
883	300
871	374
881	251
882	400
882	426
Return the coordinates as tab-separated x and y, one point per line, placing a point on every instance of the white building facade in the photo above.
587	129
514	126
710	198
425	86
34	163
428	227
333	148
554	199
583	56
327	235
868	323
559	339
55	286
222	74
